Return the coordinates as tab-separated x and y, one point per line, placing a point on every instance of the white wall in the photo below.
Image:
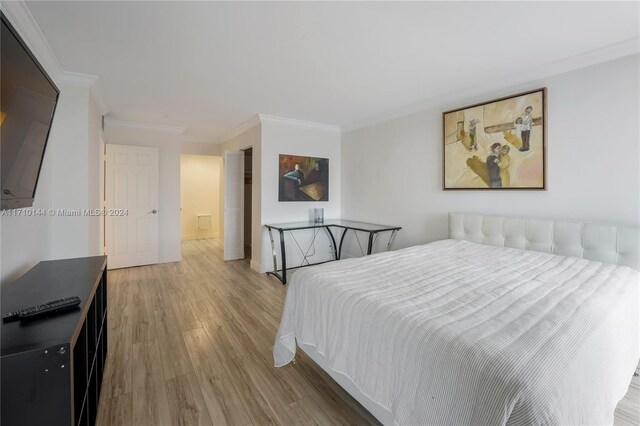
67	181
25	241
392	171
251	137
201	148
269	139
169	149
282	137
199	194
94	177
71	165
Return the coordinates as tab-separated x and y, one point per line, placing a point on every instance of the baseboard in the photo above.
255	266
199	237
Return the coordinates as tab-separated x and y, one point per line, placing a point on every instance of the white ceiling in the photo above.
209	66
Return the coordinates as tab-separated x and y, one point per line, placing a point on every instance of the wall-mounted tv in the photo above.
28	99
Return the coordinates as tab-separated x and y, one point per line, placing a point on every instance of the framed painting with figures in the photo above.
303	178
497	145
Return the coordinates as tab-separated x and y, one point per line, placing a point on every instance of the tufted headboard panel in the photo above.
594	241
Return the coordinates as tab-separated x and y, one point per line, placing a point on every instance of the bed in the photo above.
509	321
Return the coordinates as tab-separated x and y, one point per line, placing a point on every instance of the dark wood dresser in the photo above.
52	367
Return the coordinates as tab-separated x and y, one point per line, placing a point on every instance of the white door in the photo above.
131	186
233	205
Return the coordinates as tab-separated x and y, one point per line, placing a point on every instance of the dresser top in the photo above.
45	282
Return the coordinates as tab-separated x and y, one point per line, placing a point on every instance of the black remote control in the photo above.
46	308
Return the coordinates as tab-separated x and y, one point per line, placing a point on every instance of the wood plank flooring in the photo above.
190	344
628	410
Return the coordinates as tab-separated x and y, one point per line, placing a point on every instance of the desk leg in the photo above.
273	252
370	245
344	232
283	255
393	234
282	278
334	249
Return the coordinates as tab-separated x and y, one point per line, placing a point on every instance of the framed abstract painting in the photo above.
497	145
303	178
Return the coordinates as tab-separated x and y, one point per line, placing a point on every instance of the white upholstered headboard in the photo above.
594	241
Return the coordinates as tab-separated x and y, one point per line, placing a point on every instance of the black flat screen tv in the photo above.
28	99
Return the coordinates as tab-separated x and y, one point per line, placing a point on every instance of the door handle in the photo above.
154	211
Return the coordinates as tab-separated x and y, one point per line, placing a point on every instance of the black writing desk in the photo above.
346	225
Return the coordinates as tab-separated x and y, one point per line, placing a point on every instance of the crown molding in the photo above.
272	119
297	123
23	21
93	82
77	79
605	54
98	96
250	123
109	122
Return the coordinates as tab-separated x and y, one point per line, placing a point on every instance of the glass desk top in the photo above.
340	223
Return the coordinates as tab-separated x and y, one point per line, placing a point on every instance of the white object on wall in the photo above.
203	221
233	205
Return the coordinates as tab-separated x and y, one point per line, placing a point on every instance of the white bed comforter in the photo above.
457	333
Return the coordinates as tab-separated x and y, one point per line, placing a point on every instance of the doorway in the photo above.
199	197
248	183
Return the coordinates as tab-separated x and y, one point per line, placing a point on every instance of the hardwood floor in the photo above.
628	410
190	344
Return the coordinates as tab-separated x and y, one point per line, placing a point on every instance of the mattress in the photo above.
458	333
